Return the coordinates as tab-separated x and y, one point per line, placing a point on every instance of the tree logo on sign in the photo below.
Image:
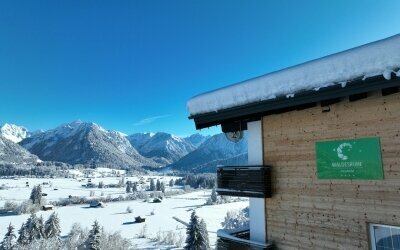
342	150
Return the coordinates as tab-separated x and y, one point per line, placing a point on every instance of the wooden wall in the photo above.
308	213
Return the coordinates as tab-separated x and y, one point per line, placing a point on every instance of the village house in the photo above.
323	151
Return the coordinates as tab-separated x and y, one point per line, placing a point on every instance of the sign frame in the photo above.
349	159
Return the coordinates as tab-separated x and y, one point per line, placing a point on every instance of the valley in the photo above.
163	217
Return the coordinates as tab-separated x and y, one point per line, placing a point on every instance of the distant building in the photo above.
96	204
47	207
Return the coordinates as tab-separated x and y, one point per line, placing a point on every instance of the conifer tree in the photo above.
8	242
158	185
93	242
134	187
204	233
197	238
23	238
214	195
152	185
41	227
33	228
122	182
162	187
32	197
39	194
52	227
36	195
128	186
171	182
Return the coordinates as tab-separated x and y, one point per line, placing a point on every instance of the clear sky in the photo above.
132	65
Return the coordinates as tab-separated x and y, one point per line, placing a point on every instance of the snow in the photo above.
377	58
18	192
13	132
169	214
80	141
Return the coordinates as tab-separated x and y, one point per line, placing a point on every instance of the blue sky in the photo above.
132	65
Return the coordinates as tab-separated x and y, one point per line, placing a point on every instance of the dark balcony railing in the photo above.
244	181
239	239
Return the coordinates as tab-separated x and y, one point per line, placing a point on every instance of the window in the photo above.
384	237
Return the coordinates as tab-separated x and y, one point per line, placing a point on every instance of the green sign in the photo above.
349	159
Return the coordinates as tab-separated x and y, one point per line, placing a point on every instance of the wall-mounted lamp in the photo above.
325	109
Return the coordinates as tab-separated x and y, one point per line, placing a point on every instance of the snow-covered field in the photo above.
18	191
113	216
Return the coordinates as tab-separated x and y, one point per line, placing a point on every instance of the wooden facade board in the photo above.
308	213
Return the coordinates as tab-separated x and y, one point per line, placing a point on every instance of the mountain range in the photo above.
88	143
216	150
12	153
162	148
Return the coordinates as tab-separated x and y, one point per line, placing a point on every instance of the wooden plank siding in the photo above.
307	213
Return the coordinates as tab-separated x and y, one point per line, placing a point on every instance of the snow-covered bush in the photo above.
80	238
76	237
27	207
71	200
39	244
170	238
10	205
222	199
114	241
173	192
236	219
213	198
143	232
180	240
129	210
141	195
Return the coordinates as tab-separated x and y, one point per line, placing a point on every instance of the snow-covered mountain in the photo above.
161	147
85	142
139	139
196	139
216	150
11	152
13	132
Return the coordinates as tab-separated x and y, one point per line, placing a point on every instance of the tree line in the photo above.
37	234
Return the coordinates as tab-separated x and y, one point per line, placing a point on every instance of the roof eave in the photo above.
254	111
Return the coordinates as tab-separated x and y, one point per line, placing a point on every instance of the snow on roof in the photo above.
377	58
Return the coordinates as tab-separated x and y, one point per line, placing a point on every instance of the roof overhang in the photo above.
232	118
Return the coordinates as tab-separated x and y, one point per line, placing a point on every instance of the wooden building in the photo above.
330	135
47	207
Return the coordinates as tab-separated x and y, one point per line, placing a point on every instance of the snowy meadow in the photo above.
165	219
